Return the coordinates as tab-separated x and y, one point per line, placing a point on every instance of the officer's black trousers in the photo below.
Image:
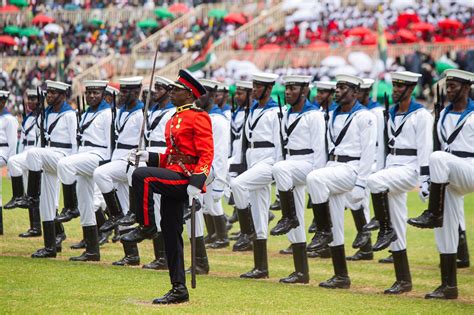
172	187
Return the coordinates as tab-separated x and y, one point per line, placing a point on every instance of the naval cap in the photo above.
210	84
56	85
131	82
264	78
349	79
95	84
367	84
162	81
4	94
325	85
297	79
405	77
459	75
243	84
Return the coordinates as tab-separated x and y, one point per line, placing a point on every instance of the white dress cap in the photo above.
351	79
459	75
56	85
131	81
265	78
222	87
325	85
210	84
162	80
94	84
296	79
405	77
367	83
244	85
31	92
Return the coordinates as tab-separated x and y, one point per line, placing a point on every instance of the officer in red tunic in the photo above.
177	174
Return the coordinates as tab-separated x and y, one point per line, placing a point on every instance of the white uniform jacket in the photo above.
94	131
128	124
155	126
378	111
221	136
8	136
29	136
61	129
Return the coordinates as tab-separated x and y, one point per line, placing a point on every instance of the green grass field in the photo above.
59	286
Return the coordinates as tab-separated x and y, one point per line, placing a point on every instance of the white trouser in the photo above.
113	175
331	183
2	164
47	160
17	164
398	180
459	173
81	167
292	174
253	187
199	222
365	204
211	206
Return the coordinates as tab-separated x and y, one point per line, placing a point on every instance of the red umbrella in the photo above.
359	31
270	47
369	40
406	18
237	18
389	36
42	19
450	23
178	8
7	40
407	36
422	27
9	8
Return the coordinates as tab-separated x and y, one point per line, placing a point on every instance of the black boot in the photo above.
448	288
312	227
287	251
386	233
433	216
115	210
80	245
364	253
341	279
100	220
373	225
130	218
402	273
49	234
289	220
132	257
70	210
386	260
463	252
178	294
362	237
211	230
140	233
260	271
323	235
231	201
275	206
222	239
17	191
202	263
300	260
234	217
247	231
34	188
35	222
60	235
116	236
320	253
91	237
160	262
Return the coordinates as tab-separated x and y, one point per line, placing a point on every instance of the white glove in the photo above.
142	154
193	192
357	194
424	191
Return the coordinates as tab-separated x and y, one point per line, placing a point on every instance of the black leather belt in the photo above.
31	142
342	158
462	154
126	146
53	144
300	151
157	144
90	144
407	152
3	144
261	144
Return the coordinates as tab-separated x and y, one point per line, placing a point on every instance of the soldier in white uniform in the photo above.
111	178
60	127
252	188
238	160
410	145
351	137
305	150
452	177
222	96
109	95
8	139
17	166
94	140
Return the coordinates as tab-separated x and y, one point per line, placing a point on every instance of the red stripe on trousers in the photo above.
146	219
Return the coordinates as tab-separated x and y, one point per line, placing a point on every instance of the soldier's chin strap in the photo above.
300	95
260	97
403	94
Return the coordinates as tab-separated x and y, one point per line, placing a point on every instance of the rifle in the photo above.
386	115
113	108
280	118
78	114
438	107
24	108
42	117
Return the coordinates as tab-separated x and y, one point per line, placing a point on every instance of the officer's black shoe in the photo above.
104	238
321	239
312	227
433	216
49	250
385	237
139	233
287	251
234	217
234	236
275	206
128	260
80	245
341	279
284	226
336	282
44	253
17	190
178	294
443	292
157	264
33	232
399	287
296	277
386	260
22	202
462	260
361	255
361	239
85	256
255	274
427	220
373	225
129	219
243	244
91	237
448	288
322	253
